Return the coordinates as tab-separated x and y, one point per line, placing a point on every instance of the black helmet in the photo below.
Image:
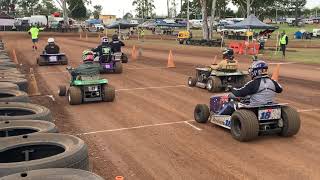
115	37
228	54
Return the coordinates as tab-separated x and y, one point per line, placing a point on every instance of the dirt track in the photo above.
143	134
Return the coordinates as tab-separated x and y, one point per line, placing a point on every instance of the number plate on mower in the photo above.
93	88
107	66
269	114
53	58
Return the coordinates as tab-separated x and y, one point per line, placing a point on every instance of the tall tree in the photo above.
168	7
296	6
97	11
46	7
204	12
144	8
77	9
28	6
128	16
173	9
245	5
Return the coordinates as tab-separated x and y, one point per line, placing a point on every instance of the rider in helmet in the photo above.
228	62
51	47
88	66
261	90
104	49
116	44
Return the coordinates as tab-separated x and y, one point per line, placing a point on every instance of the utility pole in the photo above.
188	15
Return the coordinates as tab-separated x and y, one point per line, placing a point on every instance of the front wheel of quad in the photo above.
214	84
41	61
64	60
192	81
291	122
62	90
244	125
109	93
201	113
74	96
118	68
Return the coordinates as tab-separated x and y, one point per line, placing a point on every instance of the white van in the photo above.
38	19
316	33
308	21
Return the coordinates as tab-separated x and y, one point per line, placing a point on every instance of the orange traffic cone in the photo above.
33	89
86	35
134	53
170	60
276	73
80	34
119	178
214	60
15	59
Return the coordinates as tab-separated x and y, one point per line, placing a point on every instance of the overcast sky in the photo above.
119	7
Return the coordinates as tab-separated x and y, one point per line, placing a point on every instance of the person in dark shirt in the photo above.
88	66
103	50
51	47
116	44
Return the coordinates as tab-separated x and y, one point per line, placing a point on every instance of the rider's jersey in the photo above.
103	49
52	48
226	65
261	91
116	46
34	31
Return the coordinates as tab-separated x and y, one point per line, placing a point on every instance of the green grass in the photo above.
308	56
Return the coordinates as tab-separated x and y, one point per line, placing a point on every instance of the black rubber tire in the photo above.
124	58
11	75
21	82
41	61
7	95
291	122
201	113
214	84
35	111
62	91
54	174
23	127
244	125
8	85
10	70
74	95
109	93
60	151
64	60
118	68
192	81
8	64
5	68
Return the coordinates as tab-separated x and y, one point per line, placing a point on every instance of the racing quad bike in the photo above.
217	81
88	88
52	59
110	64
248	122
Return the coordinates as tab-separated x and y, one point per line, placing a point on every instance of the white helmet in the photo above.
51	40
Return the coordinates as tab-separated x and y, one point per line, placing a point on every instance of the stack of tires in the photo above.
30	146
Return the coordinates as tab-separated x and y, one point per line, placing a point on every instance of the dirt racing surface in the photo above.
149	131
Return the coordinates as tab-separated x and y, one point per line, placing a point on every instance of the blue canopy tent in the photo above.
122	24
252	22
